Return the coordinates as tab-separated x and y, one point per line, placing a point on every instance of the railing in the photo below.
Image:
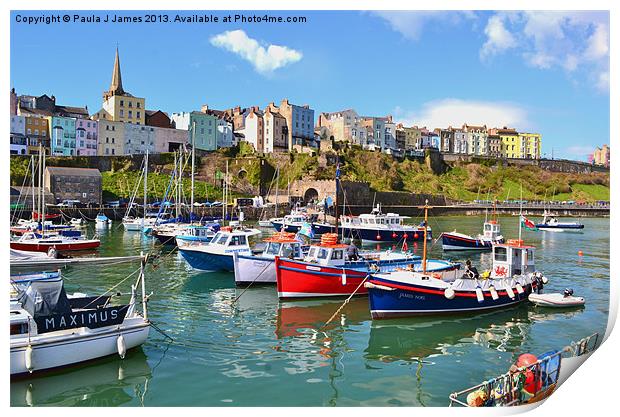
526	384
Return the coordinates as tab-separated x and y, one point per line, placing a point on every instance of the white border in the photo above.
591	390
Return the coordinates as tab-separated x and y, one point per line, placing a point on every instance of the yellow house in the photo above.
37	131
510	142
531	143
118	105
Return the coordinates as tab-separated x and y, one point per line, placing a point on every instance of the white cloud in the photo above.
265	59
456	112
498	38
577	42
411	24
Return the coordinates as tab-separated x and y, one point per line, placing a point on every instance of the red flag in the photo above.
528	224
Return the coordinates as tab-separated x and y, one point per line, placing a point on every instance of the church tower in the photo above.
119	105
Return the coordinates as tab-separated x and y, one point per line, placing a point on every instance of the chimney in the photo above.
204	108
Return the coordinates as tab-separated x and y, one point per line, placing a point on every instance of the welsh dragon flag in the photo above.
528	224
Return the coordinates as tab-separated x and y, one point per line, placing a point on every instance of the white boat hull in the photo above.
556	300
254	270
75	346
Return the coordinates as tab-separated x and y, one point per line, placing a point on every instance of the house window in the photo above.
36	132
138	104
122	113
107	151
112	140
130	114
112	151
129	104
29	131
122	103
43	133
138	114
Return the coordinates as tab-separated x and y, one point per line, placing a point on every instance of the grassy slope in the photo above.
462	182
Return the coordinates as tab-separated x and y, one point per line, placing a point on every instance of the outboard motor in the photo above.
568	292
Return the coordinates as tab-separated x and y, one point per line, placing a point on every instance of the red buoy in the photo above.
415	235
406	236
378	236
394	235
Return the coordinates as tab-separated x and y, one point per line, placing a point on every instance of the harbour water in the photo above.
261	352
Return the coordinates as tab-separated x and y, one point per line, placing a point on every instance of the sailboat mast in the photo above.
425	229
32	180
226	192
39	194
42	214
191	209
146	170
180	204
520	211
275	210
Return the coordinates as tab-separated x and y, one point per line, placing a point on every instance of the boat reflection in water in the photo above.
107	382
416	338
296	318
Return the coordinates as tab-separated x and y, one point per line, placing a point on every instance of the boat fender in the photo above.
545	280
519	288
344	278
121	347
52	252
29	359
477	398
479	295
449	293
494	294
510	292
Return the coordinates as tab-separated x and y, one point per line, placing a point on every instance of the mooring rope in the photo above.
344	304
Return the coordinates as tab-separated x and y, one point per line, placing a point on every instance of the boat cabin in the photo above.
285	249
512	258
327	255
491	229
230	239
294	218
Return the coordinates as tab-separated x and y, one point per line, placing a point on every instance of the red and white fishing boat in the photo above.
43	243
329	271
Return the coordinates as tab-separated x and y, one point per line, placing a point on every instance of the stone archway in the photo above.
311	194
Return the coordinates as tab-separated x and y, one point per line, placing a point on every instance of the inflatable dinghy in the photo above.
557	300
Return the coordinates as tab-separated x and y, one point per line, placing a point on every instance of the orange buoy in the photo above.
580	253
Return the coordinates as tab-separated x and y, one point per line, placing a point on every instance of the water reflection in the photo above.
413	339
107	382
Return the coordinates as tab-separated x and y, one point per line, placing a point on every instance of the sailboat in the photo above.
410	293
41	240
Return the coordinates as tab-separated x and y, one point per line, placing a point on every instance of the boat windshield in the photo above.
238	240
273	248
220	238
322	254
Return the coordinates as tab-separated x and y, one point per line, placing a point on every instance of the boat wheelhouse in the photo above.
332	269
379	227
260	267
197	235
217	255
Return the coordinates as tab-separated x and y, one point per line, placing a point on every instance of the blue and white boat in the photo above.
197	235
102	220
379	227
217	255
550	223
512	279
293	223
458	241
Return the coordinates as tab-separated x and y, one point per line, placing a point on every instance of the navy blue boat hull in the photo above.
452	242
412	300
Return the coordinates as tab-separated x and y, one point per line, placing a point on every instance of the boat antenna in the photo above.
486	210
425	229
191	208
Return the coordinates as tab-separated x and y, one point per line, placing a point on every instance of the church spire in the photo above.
116	86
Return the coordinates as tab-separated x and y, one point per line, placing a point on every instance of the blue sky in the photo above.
539	71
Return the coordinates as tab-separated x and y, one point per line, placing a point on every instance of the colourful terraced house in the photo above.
63	135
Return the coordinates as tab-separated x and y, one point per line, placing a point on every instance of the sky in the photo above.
545	72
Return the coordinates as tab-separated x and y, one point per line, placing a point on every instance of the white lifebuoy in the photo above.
29	359
449	293
494	294
545	280
120	346
479	294
519	288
